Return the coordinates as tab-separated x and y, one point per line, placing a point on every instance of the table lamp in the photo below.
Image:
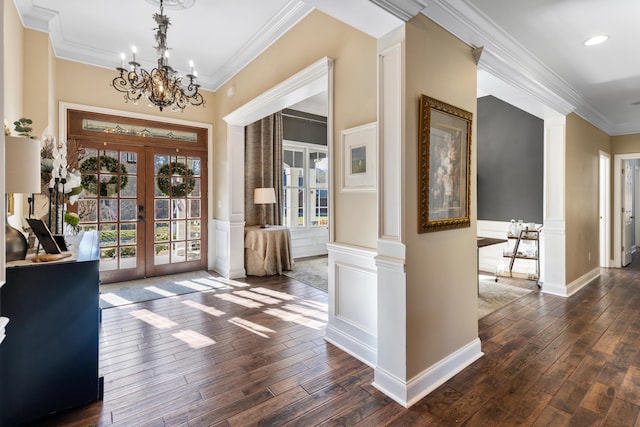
22	175
264	196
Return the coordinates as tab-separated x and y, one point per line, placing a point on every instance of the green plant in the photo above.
23	127
73	220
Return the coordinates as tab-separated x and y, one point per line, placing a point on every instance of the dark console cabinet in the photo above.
49	358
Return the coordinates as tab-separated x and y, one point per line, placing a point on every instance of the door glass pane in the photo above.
108	203
128	256
130	187
108	210
194	208
128	210
178	210
161	209
178	252
130	162
178	230
88	210
161	254
194	229
193	250
161	232
159	163
176	202
128	234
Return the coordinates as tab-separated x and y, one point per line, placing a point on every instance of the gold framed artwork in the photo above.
444	165
359	158
10	206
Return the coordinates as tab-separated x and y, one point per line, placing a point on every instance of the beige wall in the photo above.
355	100
441	266
625	144
13	50
37	66
583	142
59	80
13	39
84	84
316	36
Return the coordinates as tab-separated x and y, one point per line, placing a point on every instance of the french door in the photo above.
147	205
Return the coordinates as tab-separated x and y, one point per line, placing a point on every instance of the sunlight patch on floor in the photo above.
238	300
258	297
295	318
205	308
114	299
193	339
153	319
159	291
276	294
251	326
192	285
231	282
306	311
315	304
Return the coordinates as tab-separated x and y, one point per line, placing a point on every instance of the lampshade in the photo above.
264	196
22	165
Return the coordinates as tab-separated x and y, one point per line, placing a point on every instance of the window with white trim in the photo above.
305	169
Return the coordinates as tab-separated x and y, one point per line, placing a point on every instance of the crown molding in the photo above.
34	17
45	20
508	60
402	9
287	17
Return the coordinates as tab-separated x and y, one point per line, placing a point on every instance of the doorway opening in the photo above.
143	188
624	217
604	208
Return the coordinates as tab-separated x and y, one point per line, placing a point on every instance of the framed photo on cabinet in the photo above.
359	158
444	165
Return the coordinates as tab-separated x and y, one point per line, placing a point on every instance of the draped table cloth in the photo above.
267	251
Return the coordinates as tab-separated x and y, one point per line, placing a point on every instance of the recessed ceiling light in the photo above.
595	40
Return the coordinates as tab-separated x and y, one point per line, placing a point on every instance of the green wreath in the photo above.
178	190
89	182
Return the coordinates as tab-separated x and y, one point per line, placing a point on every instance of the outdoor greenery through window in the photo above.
305	185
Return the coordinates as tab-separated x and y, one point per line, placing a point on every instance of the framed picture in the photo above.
444	165
359	158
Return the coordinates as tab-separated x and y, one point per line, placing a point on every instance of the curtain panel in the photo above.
263	168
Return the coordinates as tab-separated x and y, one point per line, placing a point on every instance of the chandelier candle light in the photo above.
162	86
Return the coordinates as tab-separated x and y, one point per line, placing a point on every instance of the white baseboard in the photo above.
407	394
573	287
349	344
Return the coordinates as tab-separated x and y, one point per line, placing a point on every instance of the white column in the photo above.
553	237
390	374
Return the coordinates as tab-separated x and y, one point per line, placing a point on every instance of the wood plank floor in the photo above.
252	353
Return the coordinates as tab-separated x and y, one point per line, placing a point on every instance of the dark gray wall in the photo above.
304	127
510	162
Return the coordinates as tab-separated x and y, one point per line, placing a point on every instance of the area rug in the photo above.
494	295
311	271
134	291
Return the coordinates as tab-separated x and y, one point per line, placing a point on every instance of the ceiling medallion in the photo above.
162	86
174	4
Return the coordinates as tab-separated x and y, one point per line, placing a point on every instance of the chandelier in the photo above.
162	86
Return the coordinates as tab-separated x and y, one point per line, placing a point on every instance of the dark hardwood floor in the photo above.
253	353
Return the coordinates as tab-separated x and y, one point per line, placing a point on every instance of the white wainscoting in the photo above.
353	301
229	249
309	242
